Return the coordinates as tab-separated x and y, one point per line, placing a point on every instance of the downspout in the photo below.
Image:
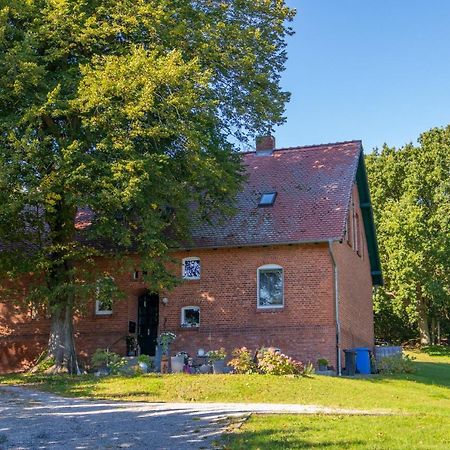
336	308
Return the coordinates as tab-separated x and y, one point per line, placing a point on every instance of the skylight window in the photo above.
267	199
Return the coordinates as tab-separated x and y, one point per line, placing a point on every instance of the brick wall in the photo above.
227	296
355	287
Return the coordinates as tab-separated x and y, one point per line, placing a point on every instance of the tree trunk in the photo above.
61	343
60	282
423	323
433	331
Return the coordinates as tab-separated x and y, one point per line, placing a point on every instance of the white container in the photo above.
143	366
177	364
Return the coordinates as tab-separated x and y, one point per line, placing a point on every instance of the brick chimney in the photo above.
265	145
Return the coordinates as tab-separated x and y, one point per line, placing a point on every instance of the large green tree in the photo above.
124	113
410	187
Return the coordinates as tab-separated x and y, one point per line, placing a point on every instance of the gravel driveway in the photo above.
36	420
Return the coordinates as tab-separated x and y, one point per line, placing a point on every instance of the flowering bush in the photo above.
268	361
274	362
216	355
396	364
242	361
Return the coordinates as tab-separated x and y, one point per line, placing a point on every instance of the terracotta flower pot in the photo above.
164	364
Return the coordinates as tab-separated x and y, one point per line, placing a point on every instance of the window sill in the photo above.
188	328
270	309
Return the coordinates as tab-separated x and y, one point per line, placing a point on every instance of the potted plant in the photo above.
216	359
323	364
144	362
164	341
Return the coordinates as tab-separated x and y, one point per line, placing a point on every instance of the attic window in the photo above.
267	199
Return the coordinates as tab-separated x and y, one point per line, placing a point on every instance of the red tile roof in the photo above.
313	186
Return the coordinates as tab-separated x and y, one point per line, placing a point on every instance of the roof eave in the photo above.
259	244
369	223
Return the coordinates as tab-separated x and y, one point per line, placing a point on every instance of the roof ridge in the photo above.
304	147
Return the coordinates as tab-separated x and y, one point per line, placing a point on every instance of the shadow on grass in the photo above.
87	385
431	373
56	422
265	440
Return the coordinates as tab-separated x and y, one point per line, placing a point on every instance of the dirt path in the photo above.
37	420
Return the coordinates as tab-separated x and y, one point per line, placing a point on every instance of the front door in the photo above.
148	314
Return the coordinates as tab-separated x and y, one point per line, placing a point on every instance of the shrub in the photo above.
44	365
145	359
268	361
322	362
396	364
437	350
104	359
273	362
242	361
216	355
308	370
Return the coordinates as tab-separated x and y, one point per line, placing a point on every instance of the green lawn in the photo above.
421	420
341	432
420	404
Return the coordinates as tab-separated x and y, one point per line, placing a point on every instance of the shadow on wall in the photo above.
21	355
23	336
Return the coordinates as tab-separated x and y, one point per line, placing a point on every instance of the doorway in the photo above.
148	319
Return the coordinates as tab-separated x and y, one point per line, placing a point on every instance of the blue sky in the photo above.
375	70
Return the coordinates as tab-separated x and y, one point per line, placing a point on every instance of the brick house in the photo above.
293	269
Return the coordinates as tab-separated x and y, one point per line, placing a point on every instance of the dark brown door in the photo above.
148	316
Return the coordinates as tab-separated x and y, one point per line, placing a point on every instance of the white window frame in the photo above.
191	258
98	311
101	312
183	311
269	267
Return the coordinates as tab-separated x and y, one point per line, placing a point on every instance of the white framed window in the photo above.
270	286
104	296
103	308
190	316
191	268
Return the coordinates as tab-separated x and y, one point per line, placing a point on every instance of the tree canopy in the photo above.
410	187
126	112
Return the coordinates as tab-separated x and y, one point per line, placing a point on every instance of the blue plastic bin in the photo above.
362	360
